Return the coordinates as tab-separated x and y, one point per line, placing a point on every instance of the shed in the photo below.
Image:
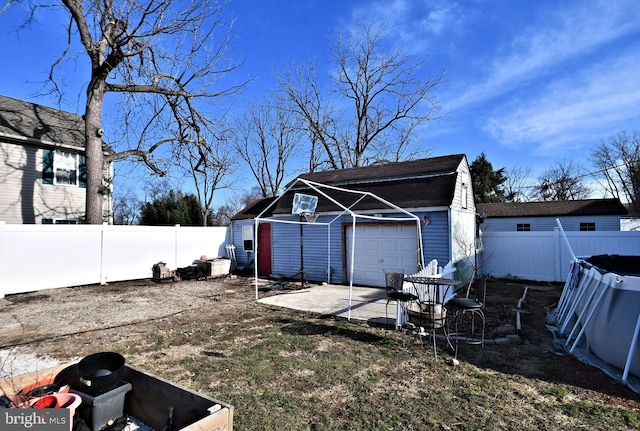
372	219
574	215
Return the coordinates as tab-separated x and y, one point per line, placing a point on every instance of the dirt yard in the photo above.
163	326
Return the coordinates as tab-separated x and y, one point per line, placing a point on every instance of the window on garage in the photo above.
247	238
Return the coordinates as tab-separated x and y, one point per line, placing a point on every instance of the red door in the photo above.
264	249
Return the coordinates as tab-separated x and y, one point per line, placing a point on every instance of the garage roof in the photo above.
254	208
389	171
413	184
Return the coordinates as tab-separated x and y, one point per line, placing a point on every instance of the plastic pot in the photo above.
100	372
59	401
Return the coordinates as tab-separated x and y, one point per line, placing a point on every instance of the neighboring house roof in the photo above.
26	121
586	207
413	184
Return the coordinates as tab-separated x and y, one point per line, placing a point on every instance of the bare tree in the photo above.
385	95
564	180
516	187
126	207
266	136
234	204
162	60
300	89
618	159
209	167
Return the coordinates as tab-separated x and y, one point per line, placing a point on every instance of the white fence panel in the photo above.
519	255
195	241
593	243
545	256
131	251
36	257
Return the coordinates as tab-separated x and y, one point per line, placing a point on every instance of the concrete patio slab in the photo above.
367	303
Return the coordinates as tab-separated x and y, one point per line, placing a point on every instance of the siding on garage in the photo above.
435	237
243	259
286	249
286	246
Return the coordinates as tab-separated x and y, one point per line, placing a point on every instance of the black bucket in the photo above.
100	372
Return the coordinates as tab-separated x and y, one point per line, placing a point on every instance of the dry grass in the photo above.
289	370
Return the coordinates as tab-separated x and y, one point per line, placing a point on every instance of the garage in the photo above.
381	247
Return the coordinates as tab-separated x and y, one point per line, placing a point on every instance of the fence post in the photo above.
3	257
176	239
557	252
103	280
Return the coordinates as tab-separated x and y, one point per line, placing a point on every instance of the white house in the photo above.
42	165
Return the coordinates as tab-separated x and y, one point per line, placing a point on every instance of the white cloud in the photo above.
546	45
575	110
411	25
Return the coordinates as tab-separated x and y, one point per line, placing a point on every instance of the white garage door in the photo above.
381	247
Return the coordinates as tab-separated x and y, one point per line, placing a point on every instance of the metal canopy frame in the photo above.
323	190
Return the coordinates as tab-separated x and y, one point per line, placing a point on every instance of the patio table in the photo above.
433	293
428	287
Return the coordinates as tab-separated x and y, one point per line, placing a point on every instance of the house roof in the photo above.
26	121
254	208
397	170
413	184
584	207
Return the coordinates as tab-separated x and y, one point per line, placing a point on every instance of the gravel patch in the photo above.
38	329
14	362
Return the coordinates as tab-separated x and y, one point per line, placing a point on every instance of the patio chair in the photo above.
394	284
462	306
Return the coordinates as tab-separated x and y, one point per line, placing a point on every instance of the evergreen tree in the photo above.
487	183
171	209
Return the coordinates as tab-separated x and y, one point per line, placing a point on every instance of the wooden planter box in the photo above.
150	399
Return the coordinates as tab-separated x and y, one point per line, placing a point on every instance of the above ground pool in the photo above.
598	315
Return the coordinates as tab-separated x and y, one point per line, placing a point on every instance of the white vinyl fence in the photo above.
545	256
36	257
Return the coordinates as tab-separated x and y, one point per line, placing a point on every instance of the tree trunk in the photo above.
94	154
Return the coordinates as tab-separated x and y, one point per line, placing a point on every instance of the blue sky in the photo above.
529	83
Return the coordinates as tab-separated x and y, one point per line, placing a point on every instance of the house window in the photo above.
63	167
523	227
247	238
465	196
59	221
587	227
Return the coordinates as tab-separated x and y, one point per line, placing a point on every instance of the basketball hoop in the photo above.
303	204
310	217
